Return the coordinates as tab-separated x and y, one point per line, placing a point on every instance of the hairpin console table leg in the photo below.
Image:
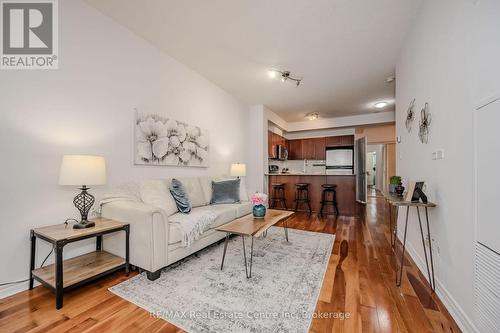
403	252
430	250
425	248
395	231
391	229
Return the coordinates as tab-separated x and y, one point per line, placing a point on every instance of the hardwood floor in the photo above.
359	283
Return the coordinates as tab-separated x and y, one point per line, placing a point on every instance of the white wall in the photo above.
257	149
86	107
450	60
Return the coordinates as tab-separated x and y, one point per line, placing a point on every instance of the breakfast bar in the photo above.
345	190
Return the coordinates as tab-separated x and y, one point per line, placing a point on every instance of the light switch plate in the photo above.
438	154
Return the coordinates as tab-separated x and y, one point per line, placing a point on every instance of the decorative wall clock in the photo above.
410	115
425	122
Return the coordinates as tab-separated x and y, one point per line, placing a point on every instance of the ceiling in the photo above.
343	49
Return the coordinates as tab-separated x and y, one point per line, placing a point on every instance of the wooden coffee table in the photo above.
253	227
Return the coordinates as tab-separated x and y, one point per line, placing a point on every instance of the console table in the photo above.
70	273
395	201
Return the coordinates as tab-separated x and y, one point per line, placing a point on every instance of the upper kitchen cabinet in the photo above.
307	149
273	140
295	149
319	148
340	141
270	144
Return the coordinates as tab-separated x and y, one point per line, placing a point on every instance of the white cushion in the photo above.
206	185
224	213
194	191
155	192
243	208
243	190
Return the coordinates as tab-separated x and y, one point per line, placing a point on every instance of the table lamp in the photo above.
238	170
83	170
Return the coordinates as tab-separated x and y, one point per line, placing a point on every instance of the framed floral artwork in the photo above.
164	141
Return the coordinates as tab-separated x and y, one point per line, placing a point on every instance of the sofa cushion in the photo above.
155	192
179	193
243	208
224	213
206	184
225	191
194	191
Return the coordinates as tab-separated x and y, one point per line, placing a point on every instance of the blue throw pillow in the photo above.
225	192
180	196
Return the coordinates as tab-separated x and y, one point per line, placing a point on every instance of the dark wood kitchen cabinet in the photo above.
340	141
273	140
307	149
295	149
319	148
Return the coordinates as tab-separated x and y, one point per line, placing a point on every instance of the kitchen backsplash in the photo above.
307	166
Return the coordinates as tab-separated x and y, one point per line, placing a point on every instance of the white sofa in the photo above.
156	242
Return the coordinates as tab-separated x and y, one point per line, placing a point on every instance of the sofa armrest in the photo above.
148	233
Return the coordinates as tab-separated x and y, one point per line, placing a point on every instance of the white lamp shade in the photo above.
82	170
238	170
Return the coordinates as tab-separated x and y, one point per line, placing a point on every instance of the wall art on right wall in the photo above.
425	122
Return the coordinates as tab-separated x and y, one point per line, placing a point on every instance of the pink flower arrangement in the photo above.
258	198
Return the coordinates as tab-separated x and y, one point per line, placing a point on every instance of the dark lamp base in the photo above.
83	225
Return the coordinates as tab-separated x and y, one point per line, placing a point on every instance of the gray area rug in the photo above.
195	295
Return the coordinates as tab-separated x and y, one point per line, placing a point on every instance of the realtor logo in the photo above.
29	34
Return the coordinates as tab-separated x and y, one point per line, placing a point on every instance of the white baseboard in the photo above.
463	321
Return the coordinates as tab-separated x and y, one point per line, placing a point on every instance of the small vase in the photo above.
400	189
259	211
392	188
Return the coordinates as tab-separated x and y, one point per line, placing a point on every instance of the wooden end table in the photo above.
253	227
71	273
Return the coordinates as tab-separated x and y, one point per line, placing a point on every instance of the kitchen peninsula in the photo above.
307	163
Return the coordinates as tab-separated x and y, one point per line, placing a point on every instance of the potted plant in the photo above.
393	182
258	200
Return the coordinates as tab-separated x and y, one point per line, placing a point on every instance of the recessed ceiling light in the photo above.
381	105
312	116
272	73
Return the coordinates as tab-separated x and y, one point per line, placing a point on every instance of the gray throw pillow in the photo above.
180	196
225	192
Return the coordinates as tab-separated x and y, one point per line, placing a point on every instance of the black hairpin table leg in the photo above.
398	283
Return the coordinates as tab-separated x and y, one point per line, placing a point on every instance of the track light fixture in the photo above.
285	76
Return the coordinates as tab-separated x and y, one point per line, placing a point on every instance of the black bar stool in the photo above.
278	195
329	190
302	195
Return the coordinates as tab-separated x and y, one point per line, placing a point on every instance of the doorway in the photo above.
371	168
377	162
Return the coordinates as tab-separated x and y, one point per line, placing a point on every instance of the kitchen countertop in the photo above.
304	174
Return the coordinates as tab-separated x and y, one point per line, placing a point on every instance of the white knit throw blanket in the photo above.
193	225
